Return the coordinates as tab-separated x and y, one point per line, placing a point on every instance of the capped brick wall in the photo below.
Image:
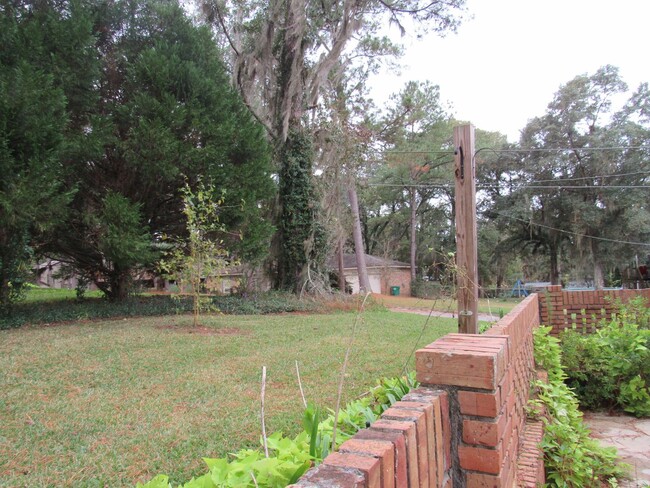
487	378
464	427
584	310
408	447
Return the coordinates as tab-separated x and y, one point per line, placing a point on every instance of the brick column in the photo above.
551	306
473	369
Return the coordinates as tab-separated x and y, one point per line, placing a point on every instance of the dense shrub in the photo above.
571	457
97	308
611	367
427	289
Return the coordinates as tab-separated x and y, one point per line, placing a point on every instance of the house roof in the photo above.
350	262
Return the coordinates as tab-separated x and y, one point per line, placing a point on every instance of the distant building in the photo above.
382	274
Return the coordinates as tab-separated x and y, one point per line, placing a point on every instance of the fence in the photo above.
581	309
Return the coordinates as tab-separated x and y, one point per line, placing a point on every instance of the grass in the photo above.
485	305
110	403
56	294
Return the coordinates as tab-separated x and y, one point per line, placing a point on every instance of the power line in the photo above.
483	186
579	178
449	152
617	241
558	149
568	187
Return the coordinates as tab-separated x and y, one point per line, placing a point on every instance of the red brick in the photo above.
446	364
369	466
444	427
419	418
326	475
383	450
435	452
399	443
480	459
480	404
409	431
480	480
484	433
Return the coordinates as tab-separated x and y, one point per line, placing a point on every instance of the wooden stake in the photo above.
466	231
266	447
302	393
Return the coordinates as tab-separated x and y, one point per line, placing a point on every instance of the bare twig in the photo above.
254	480
302	393
344	367
266	447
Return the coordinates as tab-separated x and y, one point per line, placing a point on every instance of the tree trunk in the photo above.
119	286
555	270
5	302
413	233
599	279
341	268
364	282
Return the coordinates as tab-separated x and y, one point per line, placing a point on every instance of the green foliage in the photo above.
290	458
124	240
567	143
427	289
158	110
302	238
32	126
571	457
65	310
198	259
611	368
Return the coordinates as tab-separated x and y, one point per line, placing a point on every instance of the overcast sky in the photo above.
504	65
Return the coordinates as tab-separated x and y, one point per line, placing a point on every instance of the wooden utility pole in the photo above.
466	233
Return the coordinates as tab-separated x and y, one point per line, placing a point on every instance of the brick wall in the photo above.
464	427
396	277
487	377
408	447
583	309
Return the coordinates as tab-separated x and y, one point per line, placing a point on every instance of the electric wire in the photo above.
577	234
483	186
558	149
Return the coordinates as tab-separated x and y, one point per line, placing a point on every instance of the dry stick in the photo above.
266	447
254	480
345	365
302	393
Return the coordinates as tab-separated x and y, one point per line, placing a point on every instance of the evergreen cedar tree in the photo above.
144	104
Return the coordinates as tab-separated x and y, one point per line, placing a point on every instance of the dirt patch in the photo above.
201	330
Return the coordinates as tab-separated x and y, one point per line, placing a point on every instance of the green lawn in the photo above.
54	294
109	403
493	306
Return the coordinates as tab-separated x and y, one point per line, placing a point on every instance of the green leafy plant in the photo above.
611	368
634	395
571	457
290	458
198	259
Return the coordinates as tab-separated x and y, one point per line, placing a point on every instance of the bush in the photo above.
99	308
427	289
611	368
571	457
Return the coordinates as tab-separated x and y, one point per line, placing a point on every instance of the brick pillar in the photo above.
551	307
474	370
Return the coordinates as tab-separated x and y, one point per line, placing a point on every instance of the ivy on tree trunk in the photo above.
302	239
